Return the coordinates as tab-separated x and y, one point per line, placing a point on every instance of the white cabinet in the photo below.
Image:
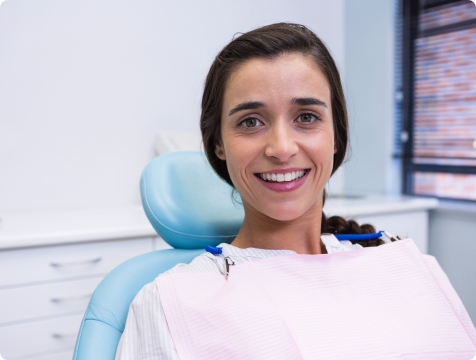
44	293
50	263
39	337
50	299
63	355
68	261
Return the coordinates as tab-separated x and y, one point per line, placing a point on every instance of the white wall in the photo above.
369	70
85	85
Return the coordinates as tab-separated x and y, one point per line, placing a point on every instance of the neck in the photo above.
302	235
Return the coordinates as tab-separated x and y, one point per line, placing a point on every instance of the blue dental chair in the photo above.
189	207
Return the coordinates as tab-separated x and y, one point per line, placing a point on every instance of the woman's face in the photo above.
277	135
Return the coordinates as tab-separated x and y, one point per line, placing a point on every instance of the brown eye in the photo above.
307	118
250	122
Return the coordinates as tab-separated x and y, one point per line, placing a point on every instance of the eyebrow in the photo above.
251	105
308	101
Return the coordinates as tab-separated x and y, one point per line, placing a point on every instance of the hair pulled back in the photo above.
269	42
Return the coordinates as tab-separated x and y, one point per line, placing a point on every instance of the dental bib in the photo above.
385	302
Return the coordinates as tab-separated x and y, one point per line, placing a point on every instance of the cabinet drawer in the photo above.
39	337
68	355
30	302
67	261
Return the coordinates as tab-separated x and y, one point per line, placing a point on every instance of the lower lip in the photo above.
284	186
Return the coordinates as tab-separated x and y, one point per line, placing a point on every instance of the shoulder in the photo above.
333	245
205	262
149	293
146	334
148	296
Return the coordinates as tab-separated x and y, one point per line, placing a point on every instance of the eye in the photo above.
307	118
250	123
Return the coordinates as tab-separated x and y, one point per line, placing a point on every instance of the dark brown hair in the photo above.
270	42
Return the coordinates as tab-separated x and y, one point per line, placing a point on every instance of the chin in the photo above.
284	214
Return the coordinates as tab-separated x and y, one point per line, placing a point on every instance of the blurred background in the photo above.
87	86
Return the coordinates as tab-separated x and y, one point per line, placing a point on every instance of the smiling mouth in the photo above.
280	178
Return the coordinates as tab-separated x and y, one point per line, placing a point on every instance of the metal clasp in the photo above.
228	263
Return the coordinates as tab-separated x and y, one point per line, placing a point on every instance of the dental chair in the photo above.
190	207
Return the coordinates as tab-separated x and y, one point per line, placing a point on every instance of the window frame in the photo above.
409	17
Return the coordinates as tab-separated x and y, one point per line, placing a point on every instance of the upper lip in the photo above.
282	171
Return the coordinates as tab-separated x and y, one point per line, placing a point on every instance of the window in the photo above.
438	106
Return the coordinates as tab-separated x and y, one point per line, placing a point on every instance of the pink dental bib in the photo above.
386	302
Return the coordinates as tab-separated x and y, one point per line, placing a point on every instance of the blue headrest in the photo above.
188	205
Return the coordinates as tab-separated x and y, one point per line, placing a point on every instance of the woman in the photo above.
274	126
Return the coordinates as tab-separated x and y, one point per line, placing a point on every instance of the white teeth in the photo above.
290	176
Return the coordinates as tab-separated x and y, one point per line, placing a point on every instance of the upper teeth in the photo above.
290	176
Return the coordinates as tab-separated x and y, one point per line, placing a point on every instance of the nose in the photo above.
281	142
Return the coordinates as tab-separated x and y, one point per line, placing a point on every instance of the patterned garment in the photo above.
147	336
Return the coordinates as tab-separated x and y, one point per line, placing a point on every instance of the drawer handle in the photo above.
73	298
64	335
79	263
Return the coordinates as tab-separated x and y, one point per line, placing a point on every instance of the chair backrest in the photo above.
189	207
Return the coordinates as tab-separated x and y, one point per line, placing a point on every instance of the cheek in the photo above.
238	156
243	155
323	140
321	151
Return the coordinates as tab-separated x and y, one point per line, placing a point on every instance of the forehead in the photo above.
286	76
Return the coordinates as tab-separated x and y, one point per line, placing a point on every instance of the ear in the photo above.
335	149
220	152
